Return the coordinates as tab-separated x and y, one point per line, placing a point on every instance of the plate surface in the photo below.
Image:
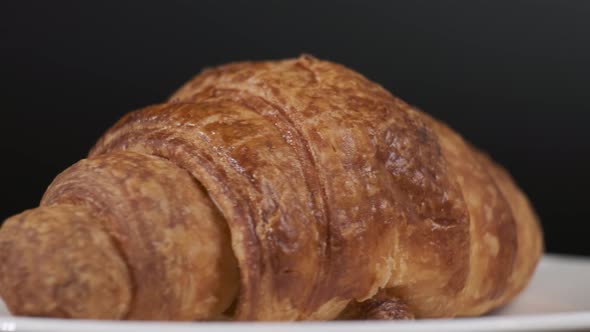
557	299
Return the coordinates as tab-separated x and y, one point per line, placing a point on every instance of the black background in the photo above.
511	76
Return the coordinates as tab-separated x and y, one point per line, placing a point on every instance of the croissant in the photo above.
278	190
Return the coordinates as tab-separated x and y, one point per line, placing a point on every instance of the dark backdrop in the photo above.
511	76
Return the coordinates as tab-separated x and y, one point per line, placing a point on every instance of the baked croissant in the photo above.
279	190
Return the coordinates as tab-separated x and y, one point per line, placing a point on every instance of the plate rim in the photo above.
533	322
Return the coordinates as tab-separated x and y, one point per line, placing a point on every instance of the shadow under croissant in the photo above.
379	307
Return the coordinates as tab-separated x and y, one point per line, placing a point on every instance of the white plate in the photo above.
558	299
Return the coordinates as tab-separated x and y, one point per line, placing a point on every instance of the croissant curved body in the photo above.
285	190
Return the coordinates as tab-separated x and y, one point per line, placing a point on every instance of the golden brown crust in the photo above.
492	231
337	195
261	202
170	234
528	230
360	139
54	256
